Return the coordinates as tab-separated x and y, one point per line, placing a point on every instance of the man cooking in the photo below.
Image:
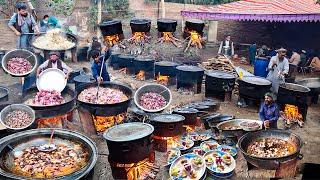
278	67
226	47
269	112
97	63
54	61
21	24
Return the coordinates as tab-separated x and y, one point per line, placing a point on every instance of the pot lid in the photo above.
164	20
123	56
143	59
190	68
128	132
198	21
186	110
256	80
52	79
312	83
140	21
295	87
167	118
108	23
220	74
166	63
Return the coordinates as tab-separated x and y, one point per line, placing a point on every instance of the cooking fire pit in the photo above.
112	31
165	73
166	29
314	85
140	31
144	68
190	78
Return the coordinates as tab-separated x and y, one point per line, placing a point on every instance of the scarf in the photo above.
22	20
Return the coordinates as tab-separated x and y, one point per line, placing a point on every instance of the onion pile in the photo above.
19	65
105	96
18	119
152	101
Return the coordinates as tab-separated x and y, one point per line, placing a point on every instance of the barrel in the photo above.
260	67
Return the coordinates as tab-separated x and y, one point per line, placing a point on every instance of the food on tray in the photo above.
17	119
219	162
46	98
172	155
247	125
152	101
209	145
64	160
199	136
105	96
234	127
19	65
185	144
270	147
53	40
228	149
187	167
199	151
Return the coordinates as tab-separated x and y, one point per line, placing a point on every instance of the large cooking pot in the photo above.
269	163
190	115
167	125
195	25
109	28
51	111
167	25
314	85
253	87
231	128
290	93
218	82
106	109
189	73
140	25
12	144
129	142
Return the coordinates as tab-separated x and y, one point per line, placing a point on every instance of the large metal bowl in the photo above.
23	54
155	88
69	36
14	143
12	107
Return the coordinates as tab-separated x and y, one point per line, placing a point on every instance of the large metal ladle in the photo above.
49	146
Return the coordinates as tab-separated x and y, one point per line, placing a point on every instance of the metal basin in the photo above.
4	112
14	143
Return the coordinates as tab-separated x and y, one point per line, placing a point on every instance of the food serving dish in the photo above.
209	145
199	136
14	146
188	167
171	155
52	79
219	163
11	108
185	144
251	125
228	149
198	150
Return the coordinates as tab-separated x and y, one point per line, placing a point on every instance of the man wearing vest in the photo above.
54	62
21	24
226	47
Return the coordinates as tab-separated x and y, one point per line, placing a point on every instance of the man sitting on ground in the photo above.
269	112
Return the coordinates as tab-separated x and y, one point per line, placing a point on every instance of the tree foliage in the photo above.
61	7
116	7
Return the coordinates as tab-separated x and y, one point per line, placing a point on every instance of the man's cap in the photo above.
271	95
281	50
21	5
54	53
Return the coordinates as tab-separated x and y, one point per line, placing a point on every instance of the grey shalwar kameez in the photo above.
274	72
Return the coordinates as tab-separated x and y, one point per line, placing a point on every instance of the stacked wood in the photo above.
219	63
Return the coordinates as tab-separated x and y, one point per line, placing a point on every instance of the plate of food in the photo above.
198	150
188	167
185	144
199	136
209	145
219	163
172	154
251	125
228	149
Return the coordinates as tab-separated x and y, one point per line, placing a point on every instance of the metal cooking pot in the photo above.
223	126
167	25
219	82
190	115
140	25
269	163
4	112
129	142
167	125
109	28
289	93
106	109
13	143
253	87
4	94
314	85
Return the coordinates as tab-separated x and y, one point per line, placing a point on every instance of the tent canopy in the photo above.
260	10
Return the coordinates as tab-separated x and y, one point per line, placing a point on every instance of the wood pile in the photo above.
219	63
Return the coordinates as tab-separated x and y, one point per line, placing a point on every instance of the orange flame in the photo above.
54	122
167	36
139	36
189	129
162	79
291	113
172	142
140	75
102	123
112	40
195	37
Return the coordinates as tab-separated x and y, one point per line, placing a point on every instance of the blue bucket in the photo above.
260	67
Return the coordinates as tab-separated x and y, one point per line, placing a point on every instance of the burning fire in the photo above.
102	123
162	79
195	40
168	37
112	40
141	170
139	37
140	75
291	114
54	122
189	129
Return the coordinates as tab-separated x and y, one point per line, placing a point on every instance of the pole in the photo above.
99	17
163	9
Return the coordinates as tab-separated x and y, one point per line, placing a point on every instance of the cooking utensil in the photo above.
33	33
50	146
52	79
100	78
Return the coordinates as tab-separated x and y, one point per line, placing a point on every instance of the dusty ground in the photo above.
309	134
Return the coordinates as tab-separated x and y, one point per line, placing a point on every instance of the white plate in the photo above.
52	79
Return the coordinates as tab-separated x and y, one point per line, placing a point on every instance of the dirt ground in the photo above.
309	133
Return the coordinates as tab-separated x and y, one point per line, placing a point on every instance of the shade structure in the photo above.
260	10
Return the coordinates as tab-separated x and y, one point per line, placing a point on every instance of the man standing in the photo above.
269	112
22	24
295	58
278	67
54	62
226	47
252	53
97	65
